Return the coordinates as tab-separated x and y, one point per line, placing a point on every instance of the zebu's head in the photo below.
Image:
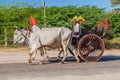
19	36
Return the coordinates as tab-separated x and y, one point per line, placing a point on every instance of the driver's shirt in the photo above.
76	27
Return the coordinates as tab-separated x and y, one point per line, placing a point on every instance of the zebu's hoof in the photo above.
78	61
41	62
29	60
58	57
62	62
47	57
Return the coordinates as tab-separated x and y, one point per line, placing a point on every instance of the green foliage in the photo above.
115	2
115	24
55	16
113	43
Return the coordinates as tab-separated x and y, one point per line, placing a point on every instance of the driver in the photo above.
76	26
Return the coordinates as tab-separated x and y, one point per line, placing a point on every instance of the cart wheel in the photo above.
91	48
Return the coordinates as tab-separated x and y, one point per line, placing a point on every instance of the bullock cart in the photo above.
90	45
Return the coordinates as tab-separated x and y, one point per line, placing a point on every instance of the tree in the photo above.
115	2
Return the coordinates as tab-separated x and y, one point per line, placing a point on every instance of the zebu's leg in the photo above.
65	53
74	52
46	54
61	50
30	57
33	49
34	55
65	43
42	56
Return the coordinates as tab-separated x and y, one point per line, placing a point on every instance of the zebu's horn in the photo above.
16	27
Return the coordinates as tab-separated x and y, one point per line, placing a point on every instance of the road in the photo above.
14	66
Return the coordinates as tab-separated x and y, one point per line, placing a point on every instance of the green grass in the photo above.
113	43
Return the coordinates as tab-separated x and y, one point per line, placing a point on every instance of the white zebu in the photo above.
50	37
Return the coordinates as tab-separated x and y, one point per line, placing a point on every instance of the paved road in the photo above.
14	66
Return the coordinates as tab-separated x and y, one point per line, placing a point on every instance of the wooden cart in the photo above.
91	46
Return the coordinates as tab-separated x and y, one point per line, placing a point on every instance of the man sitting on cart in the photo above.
76	26
76	29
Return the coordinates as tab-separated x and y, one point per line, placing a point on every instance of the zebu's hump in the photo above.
65	29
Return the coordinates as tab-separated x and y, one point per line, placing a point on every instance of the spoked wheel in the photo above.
91	48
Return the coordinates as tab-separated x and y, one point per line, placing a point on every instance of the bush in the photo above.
113	43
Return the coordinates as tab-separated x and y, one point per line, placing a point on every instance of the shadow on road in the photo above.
68	59
110	58
72	59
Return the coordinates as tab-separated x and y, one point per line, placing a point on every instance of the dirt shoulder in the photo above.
12	49
25	49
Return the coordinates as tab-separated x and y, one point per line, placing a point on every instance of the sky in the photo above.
99	3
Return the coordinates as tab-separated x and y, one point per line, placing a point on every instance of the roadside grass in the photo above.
113	43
